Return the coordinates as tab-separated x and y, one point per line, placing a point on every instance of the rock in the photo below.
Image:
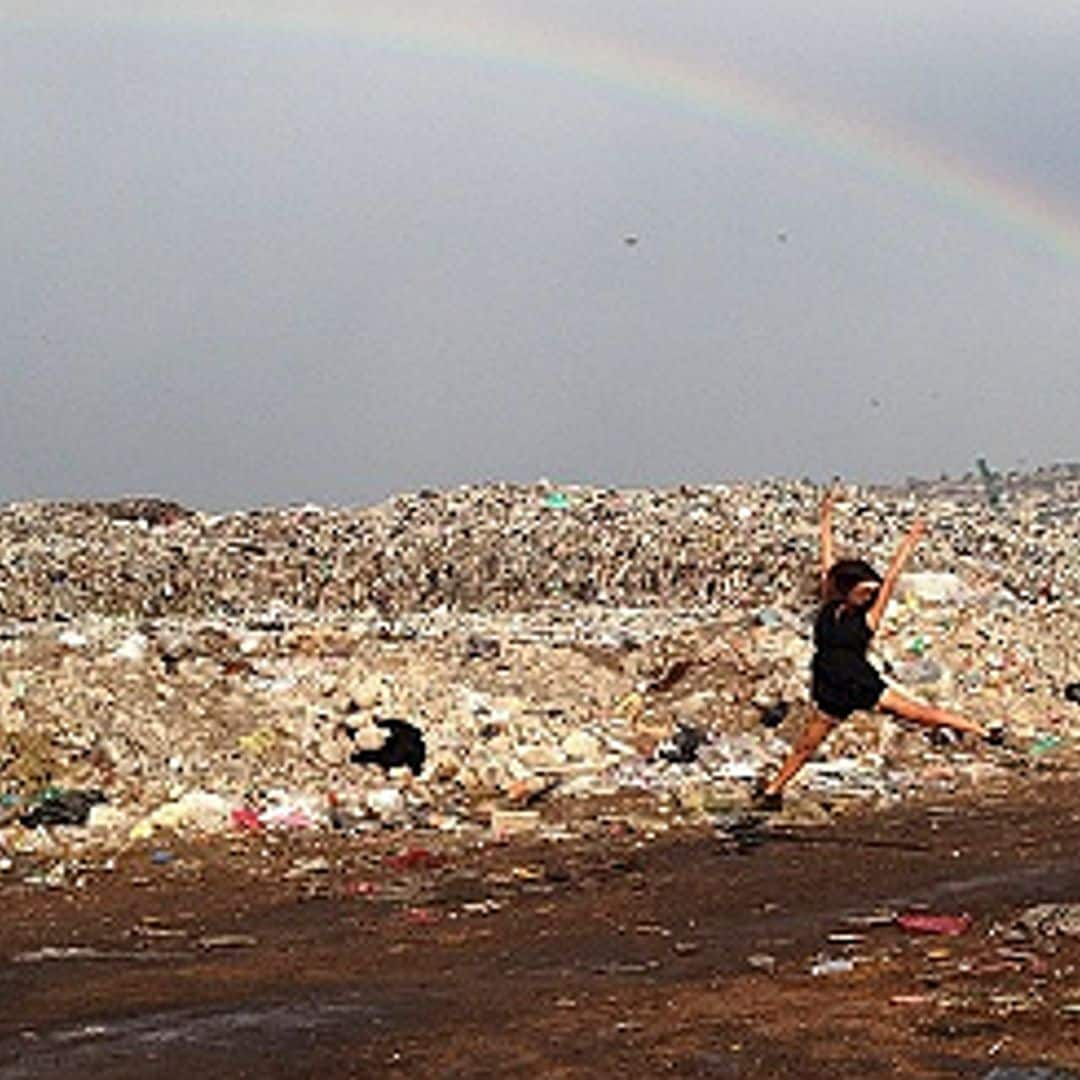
541	756
386	802
107	819
367	694
582	746
133	648
200	811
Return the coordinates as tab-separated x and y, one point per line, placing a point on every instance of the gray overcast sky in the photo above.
260	258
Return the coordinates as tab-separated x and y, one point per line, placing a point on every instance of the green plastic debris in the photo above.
556	500
1045	744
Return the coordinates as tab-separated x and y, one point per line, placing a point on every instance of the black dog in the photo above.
404	745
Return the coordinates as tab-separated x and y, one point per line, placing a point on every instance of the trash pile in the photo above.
503	548
493	658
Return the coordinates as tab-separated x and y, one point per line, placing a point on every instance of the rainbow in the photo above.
1010	206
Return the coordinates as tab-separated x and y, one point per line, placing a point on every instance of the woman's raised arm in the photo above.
892	575
827	558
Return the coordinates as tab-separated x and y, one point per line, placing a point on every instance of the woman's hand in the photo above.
832	496
827	502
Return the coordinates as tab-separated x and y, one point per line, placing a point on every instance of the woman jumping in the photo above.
854	598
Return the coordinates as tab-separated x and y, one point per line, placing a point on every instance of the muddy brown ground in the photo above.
614	955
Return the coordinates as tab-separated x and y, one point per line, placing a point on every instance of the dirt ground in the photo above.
687	955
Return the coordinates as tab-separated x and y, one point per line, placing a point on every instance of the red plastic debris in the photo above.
246	820
420	916
415	858
921	922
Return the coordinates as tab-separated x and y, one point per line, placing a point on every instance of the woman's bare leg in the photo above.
813	735
927	715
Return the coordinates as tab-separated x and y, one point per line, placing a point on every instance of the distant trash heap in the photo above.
503	548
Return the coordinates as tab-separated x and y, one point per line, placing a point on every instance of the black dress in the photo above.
843	680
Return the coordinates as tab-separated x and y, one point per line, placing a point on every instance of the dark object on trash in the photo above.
683	746
942	737
482	648
62	808
746	832
1072	693
995	736
404	745
921	922
541	793
676	672
774	715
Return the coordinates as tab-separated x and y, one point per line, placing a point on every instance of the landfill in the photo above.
546	647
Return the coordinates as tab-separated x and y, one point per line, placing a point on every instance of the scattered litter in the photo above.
762	962
227	941
836	966
1051	920
49	953
683	746
57	807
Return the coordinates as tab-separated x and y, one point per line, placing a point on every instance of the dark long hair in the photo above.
845	574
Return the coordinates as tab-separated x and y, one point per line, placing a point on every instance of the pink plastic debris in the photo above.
921	922
420	916
360	888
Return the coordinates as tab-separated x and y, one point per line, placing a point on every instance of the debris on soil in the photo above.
1050	920
921	922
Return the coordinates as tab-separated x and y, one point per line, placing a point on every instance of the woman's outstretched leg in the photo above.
928	715
813	735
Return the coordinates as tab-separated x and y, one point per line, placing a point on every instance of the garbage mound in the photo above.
504	548
536	648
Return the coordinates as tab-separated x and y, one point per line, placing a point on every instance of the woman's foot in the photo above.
770	802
